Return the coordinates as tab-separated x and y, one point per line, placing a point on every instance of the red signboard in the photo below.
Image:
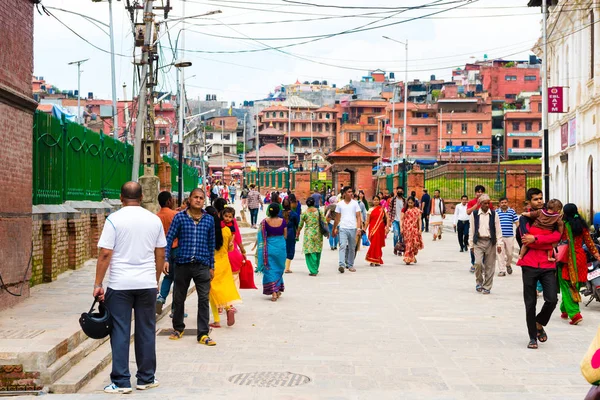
555	99
564	136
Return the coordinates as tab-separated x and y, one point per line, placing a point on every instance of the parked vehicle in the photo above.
592	286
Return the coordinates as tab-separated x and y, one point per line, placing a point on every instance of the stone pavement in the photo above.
411	332
395	332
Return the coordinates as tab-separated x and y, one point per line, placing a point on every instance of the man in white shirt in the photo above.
133	245
461	223
349	220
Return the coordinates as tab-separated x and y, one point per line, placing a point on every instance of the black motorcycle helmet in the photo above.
96	325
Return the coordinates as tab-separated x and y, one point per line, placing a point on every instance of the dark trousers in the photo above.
253	216
120	303
425	222
547	277
462	228
201	276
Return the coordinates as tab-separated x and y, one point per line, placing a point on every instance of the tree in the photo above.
240	147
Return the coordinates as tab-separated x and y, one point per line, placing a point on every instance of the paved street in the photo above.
415	332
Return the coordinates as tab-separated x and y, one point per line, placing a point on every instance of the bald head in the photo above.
131	191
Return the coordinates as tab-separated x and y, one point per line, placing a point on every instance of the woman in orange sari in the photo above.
377	231
411	231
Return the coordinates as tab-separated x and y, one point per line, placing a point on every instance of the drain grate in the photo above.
269	379
20	333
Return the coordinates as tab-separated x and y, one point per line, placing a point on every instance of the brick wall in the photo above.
16	122
14	378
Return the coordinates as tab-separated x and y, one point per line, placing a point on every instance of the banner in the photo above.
467	149
572	132
555	99
322	176
564	136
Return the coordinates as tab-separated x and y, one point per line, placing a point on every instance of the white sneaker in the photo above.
114	389
148	385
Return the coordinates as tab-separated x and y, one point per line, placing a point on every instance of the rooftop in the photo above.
270	151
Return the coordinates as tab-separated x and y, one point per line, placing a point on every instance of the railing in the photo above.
71	162
454	184
533	180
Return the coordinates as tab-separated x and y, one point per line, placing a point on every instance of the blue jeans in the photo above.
165	286
253	216
120	303
333	241
397	234
347	249
232	197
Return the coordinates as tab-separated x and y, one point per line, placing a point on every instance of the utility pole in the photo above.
112	68
78	87
142	98
126	109
546	154
257	149
244	153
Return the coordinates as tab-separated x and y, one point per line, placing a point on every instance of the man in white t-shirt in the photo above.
348	219
133	245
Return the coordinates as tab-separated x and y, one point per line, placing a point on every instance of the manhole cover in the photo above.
269	379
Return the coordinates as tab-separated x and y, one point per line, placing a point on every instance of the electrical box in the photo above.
150	152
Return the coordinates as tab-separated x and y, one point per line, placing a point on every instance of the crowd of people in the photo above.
203	243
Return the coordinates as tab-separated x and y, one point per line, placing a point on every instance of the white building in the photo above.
574	135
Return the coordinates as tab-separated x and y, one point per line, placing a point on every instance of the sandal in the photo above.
215	324
541	335
532	344
289	271
176	335
274	297
206	340
230	317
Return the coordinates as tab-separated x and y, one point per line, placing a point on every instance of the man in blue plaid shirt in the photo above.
195	231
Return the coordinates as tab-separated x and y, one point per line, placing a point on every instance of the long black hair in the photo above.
571	215
210	210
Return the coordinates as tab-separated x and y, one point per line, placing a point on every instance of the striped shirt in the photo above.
507	220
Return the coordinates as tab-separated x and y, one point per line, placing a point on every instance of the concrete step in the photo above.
85	370
75	369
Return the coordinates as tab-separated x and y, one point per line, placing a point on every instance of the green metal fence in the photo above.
533	180
453	184
71	162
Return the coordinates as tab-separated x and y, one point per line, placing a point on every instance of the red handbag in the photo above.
247	275
562	254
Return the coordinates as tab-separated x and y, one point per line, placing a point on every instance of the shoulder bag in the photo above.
322	225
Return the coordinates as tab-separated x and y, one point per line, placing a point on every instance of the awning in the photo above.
426	162
236	172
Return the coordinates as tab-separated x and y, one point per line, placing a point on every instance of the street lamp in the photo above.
405	106
78	86
498	183
180	65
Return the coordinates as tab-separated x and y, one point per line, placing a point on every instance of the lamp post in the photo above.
180	65
78	87
498	183
405	106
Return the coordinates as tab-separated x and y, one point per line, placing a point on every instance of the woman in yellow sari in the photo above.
377	231
223	293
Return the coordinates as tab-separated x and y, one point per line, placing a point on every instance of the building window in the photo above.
209	136
222	123
463	127
479	143
479	127
162	132
515	126
413	147
415	131
320	127
528	126
539	107
448	143
326	127
515	143
427	148
401	148
540	126
355	136
327	116
371	137
370	120
528	143
464	143
510	77
281	114
530	78
428	131
226	149
303	127
449	127
540	144
510	96
226	136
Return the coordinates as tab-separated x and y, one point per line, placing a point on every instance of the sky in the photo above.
442	35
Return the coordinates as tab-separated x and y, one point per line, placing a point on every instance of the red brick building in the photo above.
422	131
505	82
16	129
523	129
363	121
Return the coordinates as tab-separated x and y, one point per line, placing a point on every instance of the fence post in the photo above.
464	181
505	182
64	144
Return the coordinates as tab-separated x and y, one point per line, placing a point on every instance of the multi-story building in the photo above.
363	121
296	122
221	135
523	126
574	65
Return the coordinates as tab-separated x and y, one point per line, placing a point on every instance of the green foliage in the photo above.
436	94
509	64
240	148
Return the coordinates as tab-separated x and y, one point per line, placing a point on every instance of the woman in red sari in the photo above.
377	231
411	231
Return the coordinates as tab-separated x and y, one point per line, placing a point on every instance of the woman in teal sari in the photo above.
272	252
